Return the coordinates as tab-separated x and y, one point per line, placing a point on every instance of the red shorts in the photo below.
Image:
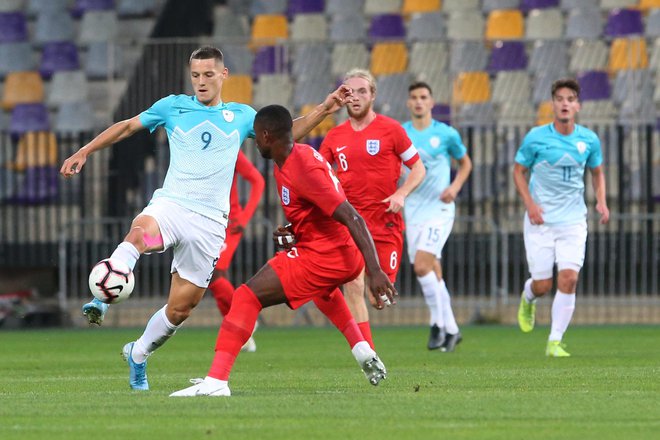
227	250
389	248
305	273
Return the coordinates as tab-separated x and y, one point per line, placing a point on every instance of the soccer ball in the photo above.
111	281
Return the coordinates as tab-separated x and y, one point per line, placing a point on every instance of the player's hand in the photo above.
337	99
395	202
284	237
604	212
448	195
535	214
382	292
74	164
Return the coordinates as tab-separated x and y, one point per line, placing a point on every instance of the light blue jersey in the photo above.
436	145
204	143
557	163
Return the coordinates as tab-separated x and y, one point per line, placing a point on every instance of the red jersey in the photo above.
310	193
368	165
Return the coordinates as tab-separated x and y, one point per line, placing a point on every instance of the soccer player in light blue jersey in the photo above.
556	156
189	213
429	210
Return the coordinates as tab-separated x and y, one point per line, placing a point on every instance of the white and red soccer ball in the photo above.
111	281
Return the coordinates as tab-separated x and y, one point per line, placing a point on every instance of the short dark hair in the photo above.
420	85
207	52
276	119
566	83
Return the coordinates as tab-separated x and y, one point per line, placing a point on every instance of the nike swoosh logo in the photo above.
341	148
185	111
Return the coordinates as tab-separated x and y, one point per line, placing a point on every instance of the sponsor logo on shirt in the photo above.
286	199
373	146
434	142
581	147
228	115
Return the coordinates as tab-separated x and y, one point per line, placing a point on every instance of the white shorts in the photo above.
547	245
428	237
196	239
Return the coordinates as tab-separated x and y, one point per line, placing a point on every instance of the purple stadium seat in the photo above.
57	56
13	27
387	26
528	5
270	59
508	55
305	7
623	22
28	117
315	142
594	85
442	113
82	6
39	185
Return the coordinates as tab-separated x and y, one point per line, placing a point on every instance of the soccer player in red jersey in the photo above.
239	216
368	150
326	255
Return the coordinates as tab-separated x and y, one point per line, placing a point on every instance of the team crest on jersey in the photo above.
373	146
228	115
581	147
286	199
434	142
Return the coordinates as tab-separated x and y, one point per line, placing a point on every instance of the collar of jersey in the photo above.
208	107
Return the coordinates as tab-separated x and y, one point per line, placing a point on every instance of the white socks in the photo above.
433	297
127	253
448	314
362	352
562	312
159	329
529	295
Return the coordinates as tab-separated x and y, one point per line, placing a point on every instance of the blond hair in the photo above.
364	74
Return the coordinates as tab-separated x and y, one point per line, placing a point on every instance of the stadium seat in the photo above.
542	85
311	60
508	55
476	115
35	7
493	5
646	5
57	56
467	56
267	7
568	5
15	57
104	60
68	86
550	56
587	55
80	7
35	149
227	24
238	58
344	7
654	62
465	25
628	53
97	26
392	95
136	8
584	23
624	22
389	58
237	88
505	25
428	59
656	93
13	27
387	26
420	6
634	85
273	89
268	29
653	24
305	7
617	4
528	5
74	117
311	89
426	27
28	117
440	84
11	5
375	7
451	6
471	87
22	88
519	113
39	185
54	26
345	29
270	59
544	113
637	110
597	112
513	86
441	112
544	24
346	56
309	27
324	127
594	85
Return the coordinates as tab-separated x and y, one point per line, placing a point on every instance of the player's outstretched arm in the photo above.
534	211
113	134
598	182
380	285
333	102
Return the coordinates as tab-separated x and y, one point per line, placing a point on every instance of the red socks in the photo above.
366	332
236	329
334	307
223	291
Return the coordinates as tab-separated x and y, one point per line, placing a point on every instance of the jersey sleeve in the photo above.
455	145
525	154
319	185
326	149
156	115
404	147
250	114
595	158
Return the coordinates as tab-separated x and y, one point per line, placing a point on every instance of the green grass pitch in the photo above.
303	383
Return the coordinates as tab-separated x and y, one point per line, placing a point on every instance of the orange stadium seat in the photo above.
267	29
237	88
471	87
22	88
628	54
388	58
35	149
505	24
324	127
645	5
544	114
414	6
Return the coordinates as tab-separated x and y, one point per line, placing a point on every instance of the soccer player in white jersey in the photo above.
555	226
429	210
189	213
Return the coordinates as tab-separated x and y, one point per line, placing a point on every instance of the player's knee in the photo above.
179	313
541	287
422	269
567	281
